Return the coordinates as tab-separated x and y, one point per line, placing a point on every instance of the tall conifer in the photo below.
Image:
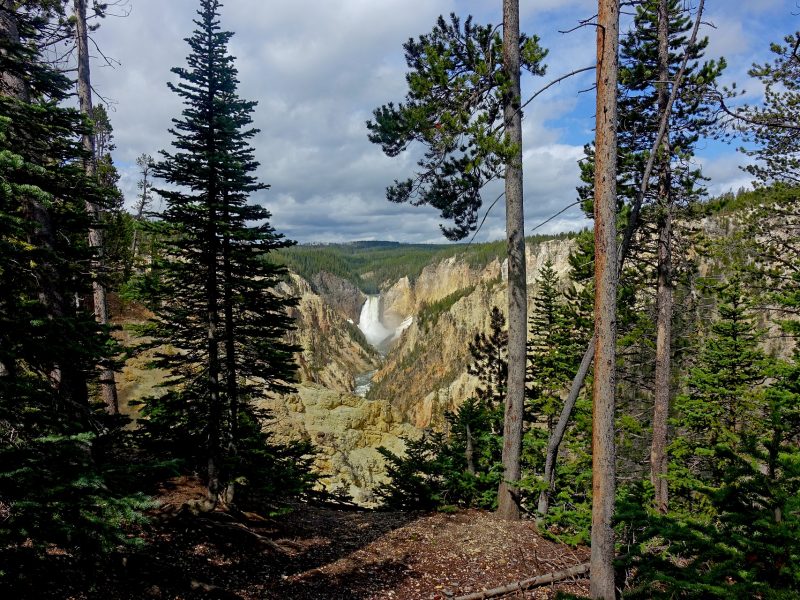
222	315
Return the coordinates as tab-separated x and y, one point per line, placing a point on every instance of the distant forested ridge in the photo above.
370	265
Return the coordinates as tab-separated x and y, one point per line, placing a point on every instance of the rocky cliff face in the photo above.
339	294
424	374
347	430
333	351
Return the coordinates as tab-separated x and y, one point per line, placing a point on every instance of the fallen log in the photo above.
527	584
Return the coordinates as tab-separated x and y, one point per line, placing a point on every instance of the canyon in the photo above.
375	369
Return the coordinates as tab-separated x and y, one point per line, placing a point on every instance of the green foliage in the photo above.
268	473
57	489
721	396
457	91
462	467
556	346
773	126
438	471
56	494
489	363
732	530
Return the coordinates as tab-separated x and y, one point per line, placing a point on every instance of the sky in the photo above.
317	69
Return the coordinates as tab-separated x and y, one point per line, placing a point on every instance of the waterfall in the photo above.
370	322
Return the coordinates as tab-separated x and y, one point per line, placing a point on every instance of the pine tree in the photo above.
489	362
773	126
732	530
464	105
651	55
224	317
560	326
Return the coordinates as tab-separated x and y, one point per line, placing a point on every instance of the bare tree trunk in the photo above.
231	386
508	495
214	400
560	430
663	366
12	85
108	388
605	243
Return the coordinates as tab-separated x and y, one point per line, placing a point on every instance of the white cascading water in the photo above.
370	322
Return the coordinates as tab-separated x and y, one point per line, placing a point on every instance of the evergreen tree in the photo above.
55	487
732	531
553	350
461	467
651	55
224	318
773	126
464	105
721	397
560	327
489	363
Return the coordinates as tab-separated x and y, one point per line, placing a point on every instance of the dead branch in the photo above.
527	584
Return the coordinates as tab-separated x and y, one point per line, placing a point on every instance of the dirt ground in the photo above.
321	554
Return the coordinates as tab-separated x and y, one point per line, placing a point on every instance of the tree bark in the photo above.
663	363
468	452
212	324
108	387
508	495
560	430
212	293
605	237
12	85
231	385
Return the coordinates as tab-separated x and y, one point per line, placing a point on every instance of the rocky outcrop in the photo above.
339	294
425	373
346	430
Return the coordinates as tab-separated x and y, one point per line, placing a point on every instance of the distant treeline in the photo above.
370	265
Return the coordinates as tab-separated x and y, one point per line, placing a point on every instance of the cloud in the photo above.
317	69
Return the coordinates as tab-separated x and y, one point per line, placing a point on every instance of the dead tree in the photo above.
605	312
108	388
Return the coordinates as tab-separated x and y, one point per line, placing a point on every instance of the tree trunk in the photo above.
508	495
231	387
469	451
108	388
65	377
214	400
663	366
557	436
12	85
605	236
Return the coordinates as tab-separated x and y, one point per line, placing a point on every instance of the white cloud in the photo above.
318	68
